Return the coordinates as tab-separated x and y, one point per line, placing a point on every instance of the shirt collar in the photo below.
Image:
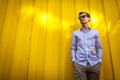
81	29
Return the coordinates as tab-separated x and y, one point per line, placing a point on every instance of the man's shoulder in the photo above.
94	30
78	30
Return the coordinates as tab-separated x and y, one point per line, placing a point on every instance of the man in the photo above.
86	50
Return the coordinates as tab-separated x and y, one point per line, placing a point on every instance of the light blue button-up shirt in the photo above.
86	47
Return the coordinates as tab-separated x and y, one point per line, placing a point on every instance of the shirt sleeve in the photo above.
98	47
73	47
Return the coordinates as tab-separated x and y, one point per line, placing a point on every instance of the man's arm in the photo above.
73	47
98	47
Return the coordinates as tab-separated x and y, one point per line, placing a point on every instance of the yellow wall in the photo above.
35	37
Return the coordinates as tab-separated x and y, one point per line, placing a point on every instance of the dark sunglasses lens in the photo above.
82	16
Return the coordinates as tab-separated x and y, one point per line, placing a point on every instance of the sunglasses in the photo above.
82	16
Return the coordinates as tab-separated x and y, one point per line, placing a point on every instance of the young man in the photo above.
86	50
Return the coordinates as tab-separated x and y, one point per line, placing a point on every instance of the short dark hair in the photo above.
88	15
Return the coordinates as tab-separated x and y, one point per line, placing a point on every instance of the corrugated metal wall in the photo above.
35	37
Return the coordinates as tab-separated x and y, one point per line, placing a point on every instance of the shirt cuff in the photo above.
100	60
73	60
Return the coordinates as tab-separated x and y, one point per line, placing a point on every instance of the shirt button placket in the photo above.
86	46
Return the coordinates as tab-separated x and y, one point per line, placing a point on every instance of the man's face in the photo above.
83	18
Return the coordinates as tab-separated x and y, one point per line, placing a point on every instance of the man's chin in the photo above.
82	22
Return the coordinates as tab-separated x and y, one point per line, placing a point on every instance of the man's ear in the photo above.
89	19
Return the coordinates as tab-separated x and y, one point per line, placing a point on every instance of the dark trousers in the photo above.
87	72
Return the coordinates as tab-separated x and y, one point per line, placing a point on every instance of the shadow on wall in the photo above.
69	70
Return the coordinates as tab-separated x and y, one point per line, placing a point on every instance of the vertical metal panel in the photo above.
21	51
3	9
109	60
111	9
51	58
8	38
68	24
60	42
38	41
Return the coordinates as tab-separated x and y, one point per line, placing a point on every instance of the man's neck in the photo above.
85	27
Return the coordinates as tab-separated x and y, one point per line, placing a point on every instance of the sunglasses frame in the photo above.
82	16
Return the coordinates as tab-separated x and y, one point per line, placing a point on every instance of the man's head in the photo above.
84	17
